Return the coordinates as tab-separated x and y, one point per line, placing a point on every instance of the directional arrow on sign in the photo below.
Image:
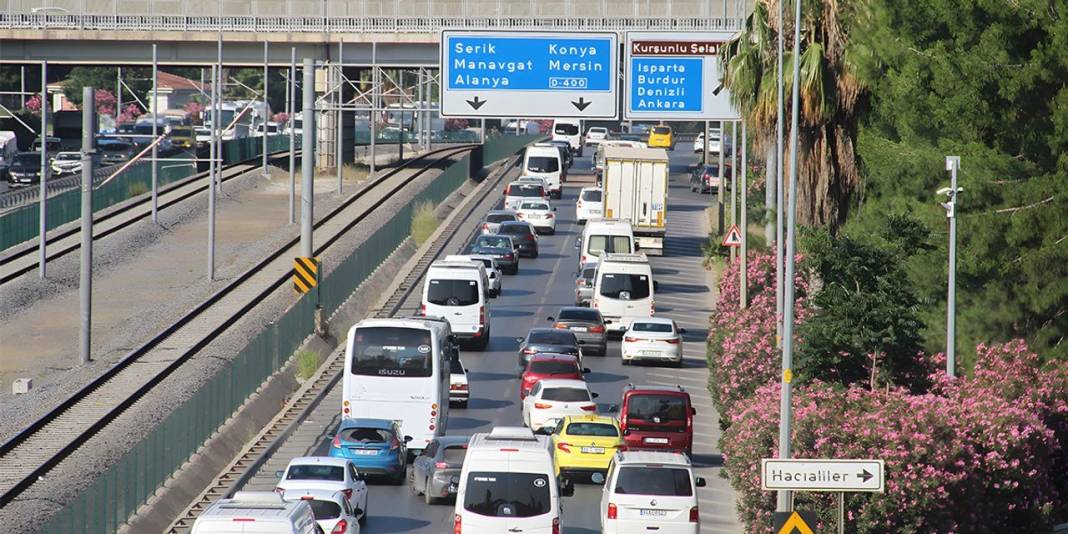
864	475
581	104
475	103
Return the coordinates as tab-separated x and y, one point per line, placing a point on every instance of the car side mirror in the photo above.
597	478
554	209
595	395
586	370
613	408
637	247
407	439
693	411
466	370
682	330
454	480
550	318
567	488
278	474
656	285
606	321
518	340
700	482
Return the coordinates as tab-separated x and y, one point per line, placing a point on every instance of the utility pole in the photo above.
783	499
212	165
307	164
744	285
266	108
374	104
42	177
952	165
779	188
339	160
155	133
722	147
118	94
734	182
291	103
85	283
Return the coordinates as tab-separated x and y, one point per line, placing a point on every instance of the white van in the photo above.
508	484
261	512
543	161
623	290
468	263
650	491
457	292
569	130
604	235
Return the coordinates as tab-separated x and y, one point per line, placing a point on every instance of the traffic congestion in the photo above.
581	229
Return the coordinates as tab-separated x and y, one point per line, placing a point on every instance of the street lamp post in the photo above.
952	165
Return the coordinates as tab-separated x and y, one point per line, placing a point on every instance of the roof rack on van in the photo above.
255	499
624	258
511	433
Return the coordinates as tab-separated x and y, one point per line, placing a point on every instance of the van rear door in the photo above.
457	298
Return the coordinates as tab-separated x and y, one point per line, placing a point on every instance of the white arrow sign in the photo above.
822	475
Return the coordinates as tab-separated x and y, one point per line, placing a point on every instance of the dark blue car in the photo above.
375	446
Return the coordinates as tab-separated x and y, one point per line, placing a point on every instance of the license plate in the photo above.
593	450
649	353
658	441
579	329
365	452
595	212
645	512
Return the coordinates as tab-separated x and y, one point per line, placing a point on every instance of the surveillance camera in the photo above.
945	191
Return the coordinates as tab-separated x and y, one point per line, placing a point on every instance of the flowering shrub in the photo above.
105	102
34	104
195	110
456	124
130	113
742	355
280	117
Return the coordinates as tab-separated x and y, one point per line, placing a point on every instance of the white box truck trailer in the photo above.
636	189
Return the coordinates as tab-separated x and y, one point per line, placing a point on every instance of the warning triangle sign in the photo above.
793	522
733	237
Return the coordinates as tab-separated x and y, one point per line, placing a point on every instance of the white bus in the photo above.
398	369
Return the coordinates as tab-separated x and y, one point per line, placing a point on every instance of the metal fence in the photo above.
106	504
22	224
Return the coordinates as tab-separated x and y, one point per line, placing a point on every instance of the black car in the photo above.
501	247
523	235
25	168
565	153
547	340
705	178
114	151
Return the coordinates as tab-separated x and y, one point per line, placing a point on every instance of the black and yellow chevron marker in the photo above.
305	273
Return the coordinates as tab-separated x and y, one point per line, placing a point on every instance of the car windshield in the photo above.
580	314
323	510
659	480
515	229
447	292
525	190
499	217
68	156
366	435
26	159
592	429
507	494
494	242
609	243
661	130
624	286
316	472
588	273
598	130
565	395
554	367
552	337
663	407
660	328
534	206
392	351
543	164
565	129
591	195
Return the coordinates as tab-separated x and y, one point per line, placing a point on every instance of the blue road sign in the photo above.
670	84
676	76
511	74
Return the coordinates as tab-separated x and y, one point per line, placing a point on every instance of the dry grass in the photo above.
307	363
424	222
136	189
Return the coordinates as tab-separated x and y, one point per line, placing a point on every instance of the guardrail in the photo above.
297	24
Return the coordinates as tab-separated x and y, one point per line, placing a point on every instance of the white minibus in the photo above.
623	290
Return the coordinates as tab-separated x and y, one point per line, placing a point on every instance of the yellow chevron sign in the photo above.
305	274
794	522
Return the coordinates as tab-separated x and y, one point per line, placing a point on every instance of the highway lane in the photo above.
542	286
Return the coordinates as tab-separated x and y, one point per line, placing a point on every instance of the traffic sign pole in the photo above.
744	282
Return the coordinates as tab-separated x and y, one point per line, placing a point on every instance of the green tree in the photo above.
139	80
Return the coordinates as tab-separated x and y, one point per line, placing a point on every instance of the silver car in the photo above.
587	325
584	284
433	469
492	222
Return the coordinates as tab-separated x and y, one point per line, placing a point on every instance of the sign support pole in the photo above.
734	182
744	292
307	166
291	107
779	188
213	155
340	161
952	164
85	282
373	114
719	193
841	512
42	177
155	134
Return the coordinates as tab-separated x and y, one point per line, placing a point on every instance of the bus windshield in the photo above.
392	351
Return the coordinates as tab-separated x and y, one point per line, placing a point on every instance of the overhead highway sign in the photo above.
529	74
822	475
671	75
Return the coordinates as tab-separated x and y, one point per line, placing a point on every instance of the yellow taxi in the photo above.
585	443
661	137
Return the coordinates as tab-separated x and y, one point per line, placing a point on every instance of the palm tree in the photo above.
831	99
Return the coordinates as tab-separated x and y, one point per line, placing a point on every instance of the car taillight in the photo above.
519	216
529	351
579	204
507	190
529	237
613	511
629	339
345	408
485	228
542	406
674	341
459	387
597	329
441	465
548	215
341	527
337	440
695	514
590	407
456	525
422	309
347	492
560	325
481	315
556	525
566	447
509	257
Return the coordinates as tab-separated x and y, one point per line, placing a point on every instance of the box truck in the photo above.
636	189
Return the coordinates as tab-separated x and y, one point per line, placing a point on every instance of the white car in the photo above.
325	473
67	163
539	214
646	491
590	204
459	388
550	400
595	135
493	271
492	221
203	135
653	338
714	143
332	510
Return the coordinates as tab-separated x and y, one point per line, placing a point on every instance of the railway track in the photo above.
46	442
238	472
24	258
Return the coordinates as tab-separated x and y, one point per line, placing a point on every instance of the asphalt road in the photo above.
542	286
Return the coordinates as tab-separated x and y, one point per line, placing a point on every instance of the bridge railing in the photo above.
307	24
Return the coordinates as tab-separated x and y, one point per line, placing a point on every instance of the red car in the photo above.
549	366
657	417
